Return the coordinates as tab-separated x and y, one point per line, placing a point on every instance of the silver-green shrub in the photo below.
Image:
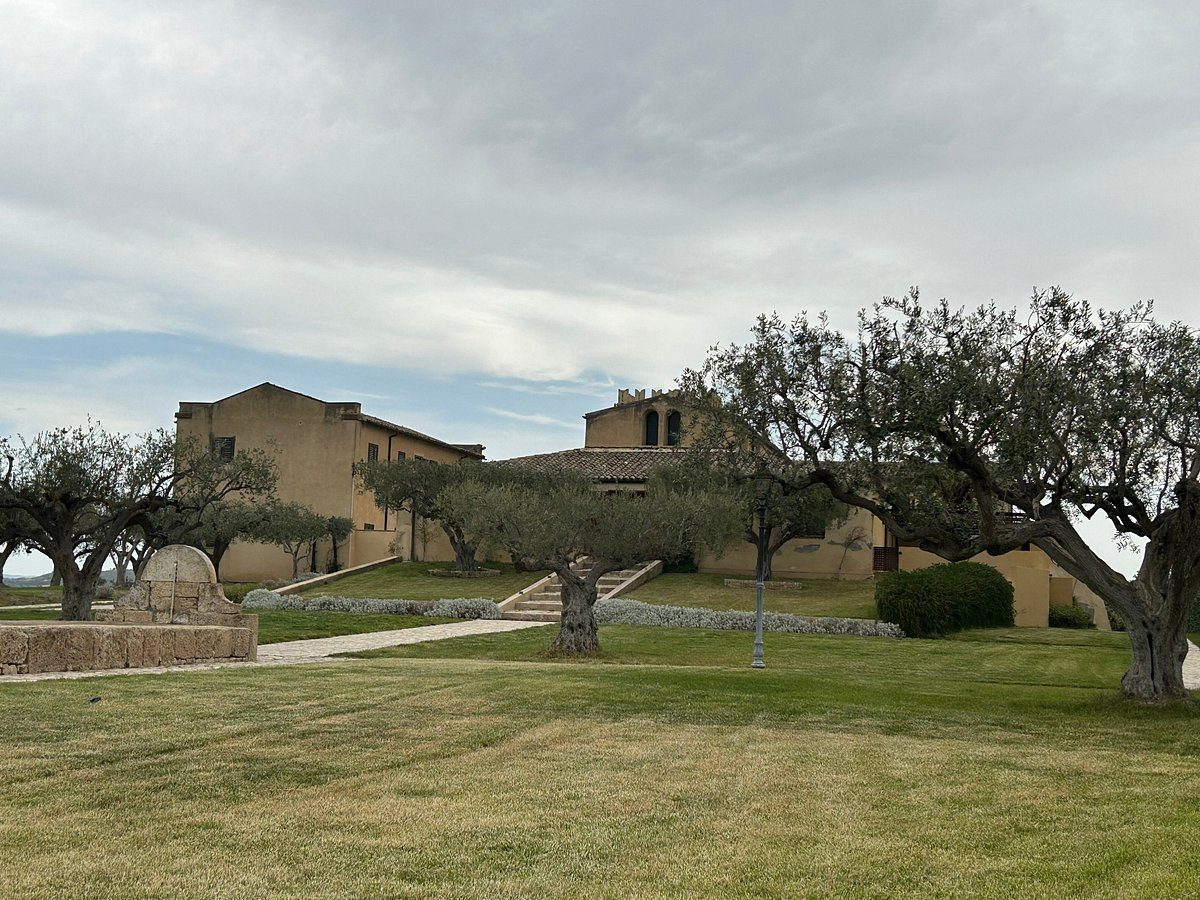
634	612
461	608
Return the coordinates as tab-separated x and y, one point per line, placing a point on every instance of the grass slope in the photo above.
412	581
851	767
819	597
285	625
20	595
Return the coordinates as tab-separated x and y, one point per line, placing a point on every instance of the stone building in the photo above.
623	443
316	445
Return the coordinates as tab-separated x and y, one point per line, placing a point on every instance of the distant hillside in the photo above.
44	580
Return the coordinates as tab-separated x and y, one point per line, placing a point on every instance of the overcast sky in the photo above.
481	219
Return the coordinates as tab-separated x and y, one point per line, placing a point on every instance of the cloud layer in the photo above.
538	191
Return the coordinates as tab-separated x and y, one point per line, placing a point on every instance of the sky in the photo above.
482	219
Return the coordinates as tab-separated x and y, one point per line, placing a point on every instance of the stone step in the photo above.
521	616
540	605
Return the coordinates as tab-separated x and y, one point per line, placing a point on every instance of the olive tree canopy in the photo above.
969	431
552	522
79	489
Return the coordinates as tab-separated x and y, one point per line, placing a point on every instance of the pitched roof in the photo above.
470	449
606	464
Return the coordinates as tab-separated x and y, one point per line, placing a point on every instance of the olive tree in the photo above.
978	431
420	486
793	508
292	526
553	522
81	488
338	529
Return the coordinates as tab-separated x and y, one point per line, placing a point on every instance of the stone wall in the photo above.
33	647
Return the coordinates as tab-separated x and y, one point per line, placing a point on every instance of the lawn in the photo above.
999	764
412	581
22	595
819	597
286	625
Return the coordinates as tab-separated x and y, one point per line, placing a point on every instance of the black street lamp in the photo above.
758	602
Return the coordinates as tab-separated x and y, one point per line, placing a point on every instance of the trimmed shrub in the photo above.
941	599
619	611
237	592
104	590
1062	616
462	608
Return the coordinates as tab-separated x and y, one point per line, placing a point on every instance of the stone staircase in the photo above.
542	601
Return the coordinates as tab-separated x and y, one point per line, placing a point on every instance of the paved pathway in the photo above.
1191	668
323	648
289	653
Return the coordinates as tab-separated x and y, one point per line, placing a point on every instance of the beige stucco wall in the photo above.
844	552
624	425
316	445
1086	597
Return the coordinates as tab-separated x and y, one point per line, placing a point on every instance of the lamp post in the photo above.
758	600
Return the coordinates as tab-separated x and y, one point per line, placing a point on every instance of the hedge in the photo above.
619	611
938	600
1062	616
461	608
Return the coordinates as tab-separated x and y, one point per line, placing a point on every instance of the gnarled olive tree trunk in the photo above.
464	548
577	631
79	586
1160	600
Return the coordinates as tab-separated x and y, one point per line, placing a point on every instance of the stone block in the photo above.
223	644
137	597
179	563
204	642
166	647
111	644
241	643
185	644
47	650
151	646
135	647
14	646
80	648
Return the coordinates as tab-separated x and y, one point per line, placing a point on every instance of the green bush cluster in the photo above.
940	599
1069	617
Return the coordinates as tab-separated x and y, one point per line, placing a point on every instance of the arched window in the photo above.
652	428
673	425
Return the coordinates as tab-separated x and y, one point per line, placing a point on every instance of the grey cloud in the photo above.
463	184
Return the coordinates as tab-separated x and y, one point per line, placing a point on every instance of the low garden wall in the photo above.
28	648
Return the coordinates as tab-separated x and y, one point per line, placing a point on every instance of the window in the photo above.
673	423
400	454
372	453
224	448
368	526
651	429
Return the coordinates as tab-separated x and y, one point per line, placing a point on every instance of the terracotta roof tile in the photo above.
619	464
